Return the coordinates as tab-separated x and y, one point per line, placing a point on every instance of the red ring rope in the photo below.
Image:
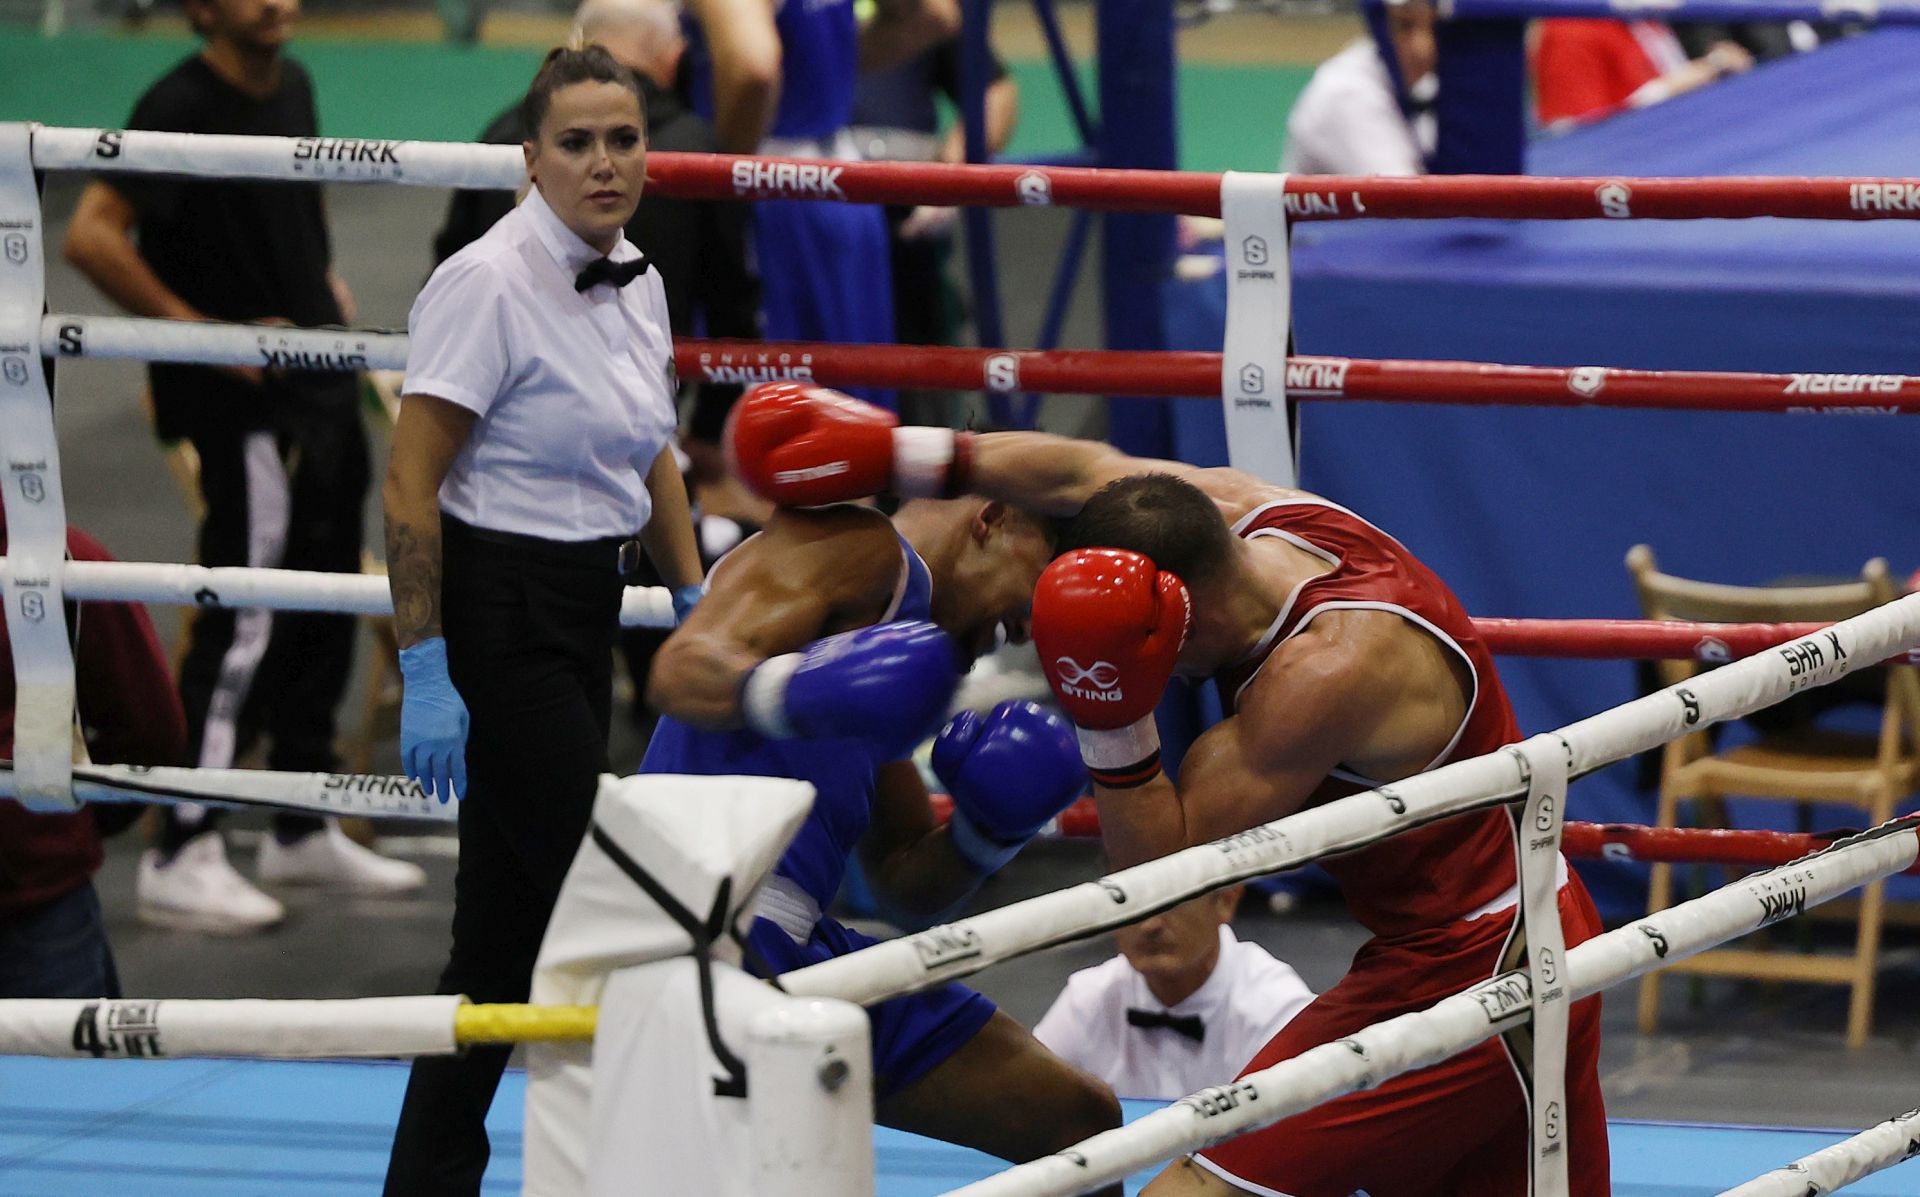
1644	639
1196	375
1327	197
1589	841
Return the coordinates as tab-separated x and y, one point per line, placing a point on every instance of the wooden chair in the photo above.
1866	773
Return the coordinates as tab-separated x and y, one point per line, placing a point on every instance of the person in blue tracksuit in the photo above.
826	648
778	79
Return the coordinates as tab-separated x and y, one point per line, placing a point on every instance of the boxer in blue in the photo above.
826	648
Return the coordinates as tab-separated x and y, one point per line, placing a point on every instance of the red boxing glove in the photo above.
1109	626
801	445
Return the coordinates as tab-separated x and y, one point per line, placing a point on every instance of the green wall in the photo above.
1231	117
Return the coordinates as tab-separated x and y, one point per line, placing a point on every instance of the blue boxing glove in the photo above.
1007	775
684	597
433	721
887	685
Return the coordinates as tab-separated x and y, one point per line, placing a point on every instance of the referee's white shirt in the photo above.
1246	1001
574	390
1347	121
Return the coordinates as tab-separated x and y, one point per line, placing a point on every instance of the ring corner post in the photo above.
1135	52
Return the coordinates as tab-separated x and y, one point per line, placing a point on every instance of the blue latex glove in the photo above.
1007	775
684	597
887	685
433	721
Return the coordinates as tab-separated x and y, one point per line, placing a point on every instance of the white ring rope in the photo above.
304	159
292	1029
366	795
1831	1168
280	589
1417	1040
958	949
215	343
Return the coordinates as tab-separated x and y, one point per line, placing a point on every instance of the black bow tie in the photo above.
606	270
1183	1024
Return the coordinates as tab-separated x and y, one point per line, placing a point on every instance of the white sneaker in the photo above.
329	858
199	891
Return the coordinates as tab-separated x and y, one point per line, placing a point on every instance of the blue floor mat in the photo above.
227	1128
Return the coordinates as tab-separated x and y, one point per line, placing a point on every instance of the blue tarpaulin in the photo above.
1530	512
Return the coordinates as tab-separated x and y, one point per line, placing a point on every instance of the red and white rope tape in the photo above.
1831	1168
1387	1049
962	948
1053	371
722	176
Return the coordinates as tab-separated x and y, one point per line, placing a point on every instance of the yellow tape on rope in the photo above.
524	1024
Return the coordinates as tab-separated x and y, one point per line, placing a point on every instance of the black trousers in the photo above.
530	627
290	496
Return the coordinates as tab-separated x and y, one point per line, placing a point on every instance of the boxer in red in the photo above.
1343	663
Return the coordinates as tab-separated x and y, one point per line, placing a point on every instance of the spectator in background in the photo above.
1183	1006
1586	70
283	454
53	941
778	79
896	118
1765	40
1361	114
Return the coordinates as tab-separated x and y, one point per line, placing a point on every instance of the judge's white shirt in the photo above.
1348	122
574	389
1246	1001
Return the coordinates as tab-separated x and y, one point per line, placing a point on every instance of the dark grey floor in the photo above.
1740	1054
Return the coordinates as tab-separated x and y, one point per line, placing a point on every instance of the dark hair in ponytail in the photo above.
563	68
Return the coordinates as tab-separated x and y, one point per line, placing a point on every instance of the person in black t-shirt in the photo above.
284	464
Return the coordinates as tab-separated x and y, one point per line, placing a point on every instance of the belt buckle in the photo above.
628	559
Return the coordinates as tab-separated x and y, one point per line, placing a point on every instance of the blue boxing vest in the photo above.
819	65
841	770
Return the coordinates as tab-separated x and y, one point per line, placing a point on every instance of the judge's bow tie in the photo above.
606	270
1184	1024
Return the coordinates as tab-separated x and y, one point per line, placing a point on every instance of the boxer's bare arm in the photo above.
809	574
1320	701
908	855
1056	475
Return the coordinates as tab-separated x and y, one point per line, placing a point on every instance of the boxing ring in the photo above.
619	950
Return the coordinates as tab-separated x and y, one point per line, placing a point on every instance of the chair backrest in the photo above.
1664	596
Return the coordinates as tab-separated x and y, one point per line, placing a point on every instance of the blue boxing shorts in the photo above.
911	1034
825	275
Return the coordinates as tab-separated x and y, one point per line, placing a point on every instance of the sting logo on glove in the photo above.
1103	676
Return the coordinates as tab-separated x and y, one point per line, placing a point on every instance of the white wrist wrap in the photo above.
1122	748
763	699
921	458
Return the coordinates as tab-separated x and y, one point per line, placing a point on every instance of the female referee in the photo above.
532	450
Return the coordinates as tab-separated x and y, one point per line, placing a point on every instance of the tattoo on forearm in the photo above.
413	573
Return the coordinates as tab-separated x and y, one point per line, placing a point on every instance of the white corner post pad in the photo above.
36	509
666	872
1545	761
665	1119
1253	362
